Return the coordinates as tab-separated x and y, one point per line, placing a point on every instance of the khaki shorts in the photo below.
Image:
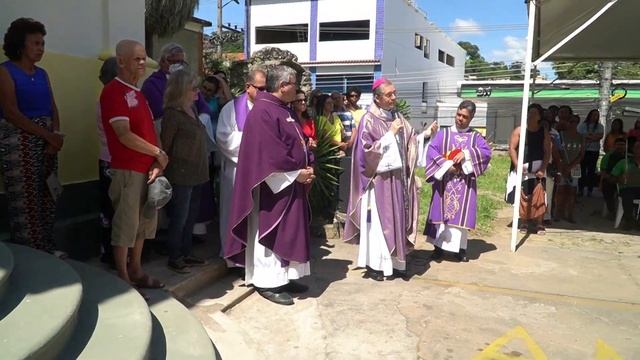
128	193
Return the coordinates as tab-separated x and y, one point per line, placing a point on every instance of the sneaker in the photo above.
194	261
179	266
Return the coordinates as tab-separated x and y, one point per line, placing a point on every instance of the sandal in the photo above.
147	282
541	230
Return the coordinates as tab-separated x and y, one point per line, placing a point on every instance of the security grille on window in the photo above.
341	82
417	42
427	48
451	61
442	56
281	34
344	30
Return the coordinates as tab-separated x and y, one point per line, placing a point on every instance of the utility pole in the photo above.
606	76
220	29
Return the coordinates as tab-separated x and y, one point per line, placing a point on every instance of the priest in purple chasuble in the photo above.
231	123
270	214
382	213
456	156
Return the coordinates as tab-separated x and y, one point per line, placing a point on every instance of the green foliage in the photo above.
167	17
491	188
327	170
403	107
591	70
236	46
476	67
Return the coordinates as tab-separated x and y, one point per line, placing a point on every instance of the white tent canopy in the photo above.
602	30
613	35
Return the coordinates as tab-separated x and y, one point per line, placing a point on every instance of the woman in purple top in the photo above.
29	137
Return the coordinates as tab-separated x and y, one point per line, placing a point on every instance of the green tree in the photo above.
166	17
476	67
591	70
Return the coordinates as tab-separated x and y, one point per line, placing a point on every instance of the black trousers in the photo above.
628	195
610	193
588	168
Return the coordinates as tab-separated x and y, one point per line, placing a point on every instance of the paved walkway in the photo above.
567	295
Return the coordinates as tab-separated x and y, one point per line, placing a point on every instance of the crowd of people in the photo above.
169	141
561	162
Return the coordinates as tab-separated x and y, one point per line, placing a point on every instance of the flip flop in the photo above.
147	282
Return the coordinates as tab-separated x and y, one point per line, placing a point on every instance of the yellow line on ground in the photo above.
607	304
494	350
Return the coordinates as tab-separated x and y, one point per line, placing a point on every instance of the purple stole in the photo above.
242	109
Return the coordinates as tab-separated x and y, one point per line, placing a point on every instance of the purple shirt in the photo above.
153	89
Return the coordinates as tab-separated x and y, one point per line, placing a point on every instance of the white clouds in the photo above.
515	49
465	27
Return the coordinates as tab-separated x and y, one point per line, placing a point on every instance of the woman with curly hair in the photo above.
29	136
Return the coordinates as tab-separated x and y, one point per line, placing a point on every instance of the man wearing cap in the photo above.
136	162
383	204
231	124
456	157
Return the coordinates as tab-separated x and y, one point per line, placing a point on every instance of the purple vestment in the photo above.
153	89
396	196
272	142
241	108
454	198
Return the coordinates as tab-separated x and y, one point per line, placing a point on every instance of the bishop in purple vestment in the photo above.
383	204
270	214
456	156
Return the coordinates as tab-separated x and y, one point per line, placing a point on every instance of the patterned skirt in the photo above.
25	168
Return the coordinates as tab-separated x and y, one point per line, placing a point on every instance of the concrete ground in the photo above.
568	295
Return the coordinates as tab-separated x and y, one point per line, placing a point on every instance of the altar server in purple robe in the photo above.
456	156
231	123
383	203
269	219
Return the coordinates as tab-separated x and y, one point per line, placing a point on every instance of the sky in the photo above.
498	27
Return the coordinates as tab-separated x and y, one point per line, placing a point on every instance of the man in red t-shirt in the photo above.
136	161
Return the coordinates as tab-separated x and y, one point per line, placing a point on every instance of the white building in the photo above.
347	43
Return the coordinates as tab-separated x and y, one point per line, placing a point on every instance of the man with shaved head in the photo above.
136	162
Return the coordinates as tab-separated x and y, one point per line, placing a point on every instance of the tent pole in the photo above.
575	32
523	123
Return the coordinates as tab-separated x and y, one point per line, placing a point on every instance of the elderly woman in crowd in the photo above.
29	137
184	138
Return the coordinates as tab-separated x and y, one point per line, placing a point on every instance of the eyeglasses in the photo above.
259	88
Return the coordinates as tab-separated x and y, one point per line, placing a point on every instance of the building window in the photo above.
341	82
427	48
417	41
344	30
442	56
451	61
425	91
280	34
